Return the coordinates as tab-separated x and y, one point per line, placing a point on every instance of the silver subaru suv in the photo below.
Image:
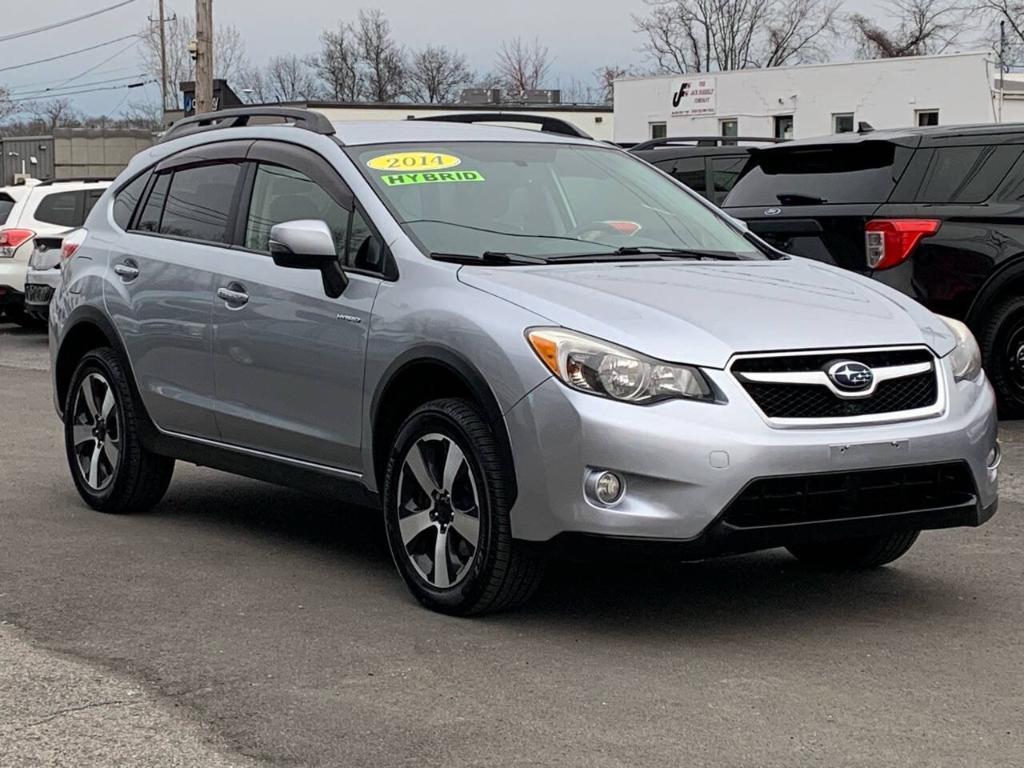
515	342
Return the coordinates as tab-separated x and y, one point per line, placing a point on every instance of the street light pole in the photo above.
204	56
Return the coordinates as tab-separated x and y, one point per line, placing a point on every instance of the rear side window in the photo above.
863	172
6	206
127	200
199	202
965	174
724	173
64	209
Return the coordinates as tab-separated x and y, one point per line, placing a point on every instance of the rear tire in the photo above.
854	554
103	422
1002	349
447	495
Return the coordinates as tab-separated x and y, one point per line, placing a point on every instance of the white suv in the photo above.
49	209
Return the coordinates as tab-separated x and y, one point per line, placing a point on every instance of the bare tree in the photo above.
382	57
922	27
338	64
685	36
7	107
229	47
1010	11
522	66
606	77
51	114
437	75
253	86
289	78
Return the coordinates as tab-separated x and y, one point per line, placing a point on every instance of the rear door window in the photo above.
149	219
692	171
199	203
63	209
862	172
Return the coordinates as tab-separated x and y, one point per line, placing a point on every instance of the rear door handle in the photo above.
234	295
126	270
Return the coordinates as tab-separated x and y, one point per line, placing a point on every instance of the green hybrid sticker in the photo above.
438	177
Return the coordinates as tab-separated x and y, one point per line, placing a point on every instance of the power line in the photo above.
107	60
66	22
61	80
139	84
69	53
56	90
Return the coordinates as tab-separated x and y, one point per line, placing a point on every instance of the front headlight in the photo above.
966	356
600	368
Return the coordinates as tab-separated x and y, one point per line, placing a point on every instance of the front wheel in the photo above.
447	497
855	554
111	468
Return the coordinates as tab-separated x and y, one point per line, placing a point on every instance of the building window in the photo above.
783	126
926	117
658	130
842	122
730	127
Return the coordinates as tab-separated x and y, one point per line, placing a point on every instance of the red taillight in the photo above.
12	239
890	242
72	242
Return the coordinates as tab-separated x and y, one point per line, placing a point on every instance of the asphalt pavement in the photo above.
245	624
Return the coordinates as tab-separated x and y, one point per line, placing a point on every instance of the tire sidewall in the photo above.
1006	318
95	362
461	597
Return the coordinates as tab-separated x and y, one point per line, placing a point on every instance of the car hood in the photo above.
705	312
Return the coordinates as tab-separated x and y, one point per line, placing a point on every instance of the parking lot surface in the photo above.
268	626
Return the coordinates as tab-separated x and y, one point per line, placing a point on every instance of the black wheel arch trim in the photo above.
1011	269
463	369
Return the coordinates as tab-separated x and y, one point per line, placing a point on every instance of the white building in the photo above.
596	121
815	100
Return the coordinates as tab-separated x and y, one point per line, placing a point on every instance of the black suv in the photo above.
936	212
709	165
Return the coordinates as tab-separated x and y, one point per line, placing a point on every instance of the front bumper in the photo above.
684	463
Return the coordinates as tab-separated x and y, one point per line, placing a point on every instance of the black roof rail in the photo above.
74	180
236	118
547	124
702	141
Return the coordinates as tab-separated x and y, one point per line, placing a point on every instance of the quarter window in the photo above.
199	203
724	172
966	174
61	208
280	195
127	200
149	220
692	172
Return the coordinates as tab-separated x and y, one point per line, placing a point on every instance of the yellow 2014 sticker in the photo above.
414	161
442	177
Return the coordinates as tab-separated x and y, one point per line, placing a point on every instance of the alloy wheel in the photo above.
438	510
96	432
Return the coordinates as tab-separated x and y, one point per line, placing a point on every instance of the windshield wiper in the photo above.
793	198
489	258
646	253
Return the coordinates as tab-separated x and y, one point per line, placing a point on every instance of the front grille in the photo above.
777	501
779	400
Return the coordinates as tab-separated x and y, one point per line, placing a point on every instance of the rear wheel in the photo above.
447	498
112	470
855	554
1002	348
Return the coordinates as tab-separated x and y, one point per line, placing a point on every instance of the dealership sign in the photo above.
693	97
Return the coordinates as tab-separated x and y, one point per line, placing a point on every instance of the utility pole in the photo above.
1002	67
204	56
163	55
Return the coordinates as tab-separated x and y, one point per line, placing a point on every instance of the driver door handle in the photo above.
235	296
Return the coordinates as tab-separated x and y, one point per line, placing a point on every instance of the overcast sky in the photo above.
582	34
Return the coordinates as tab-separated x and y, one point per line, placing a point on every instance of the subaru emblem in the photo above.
772	211
850	375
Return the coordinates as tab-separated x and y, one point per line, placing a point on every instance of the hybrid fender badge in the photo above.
850	375
772	211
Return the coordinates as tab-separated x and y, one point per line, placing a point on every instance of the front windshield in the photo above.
540	199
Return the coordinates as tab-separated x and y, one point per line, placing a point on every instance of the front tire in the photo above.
447	495
111	468
1002	349
855	554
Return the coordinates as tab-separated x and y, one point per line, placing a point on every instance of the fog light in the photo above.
995	456
606	487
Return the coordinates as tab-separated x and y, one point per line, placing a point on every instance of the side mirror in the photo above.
309	244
